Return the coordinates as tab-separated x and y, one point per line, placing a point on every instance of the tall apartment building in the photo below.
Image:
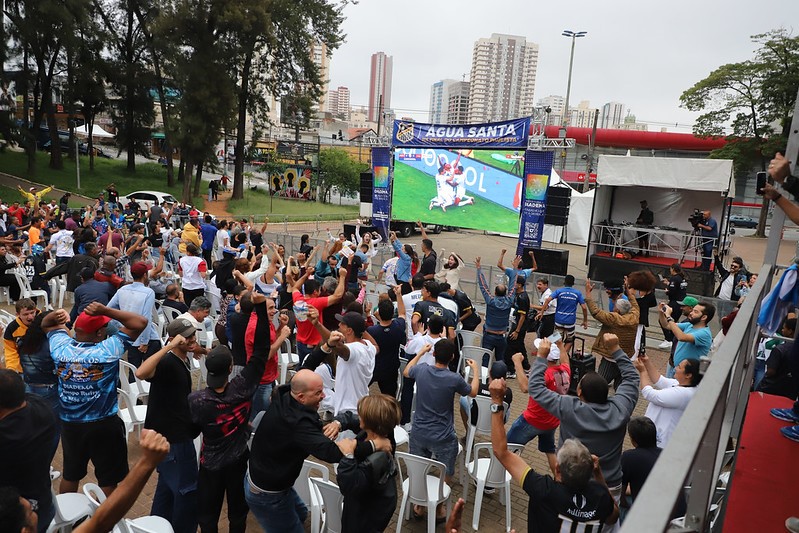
612	115
502	82
556	104
322	60
338	102
583	115
380	84
449	102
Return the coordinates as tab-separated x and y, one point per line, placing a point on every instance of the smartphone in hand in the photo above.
762	179
555	337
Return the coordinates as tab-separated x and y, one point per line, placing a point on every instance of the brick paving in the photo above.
492	516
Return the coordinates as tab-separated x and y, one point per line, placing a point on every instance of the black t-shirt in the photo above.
238	327
635	466
176	305
27	446
521	308
257	240
353	265
677	289
645	303
425	309
464	304
168	403
388	338
429	264
782	383
553	507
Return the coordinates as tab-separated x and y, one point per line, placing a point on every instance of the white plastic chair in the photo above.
136	390
482	427
309	494
25	290
400	436
69	508
468	338
333	502
170	313
148	524
422	488
286	358
96	498
489	472
131	414
476	353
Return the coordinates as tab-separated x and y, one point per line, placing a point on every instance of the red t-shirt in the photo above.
556	378
270	371
306	333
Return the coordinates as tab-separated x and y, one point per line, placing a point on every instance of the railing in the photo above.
707	427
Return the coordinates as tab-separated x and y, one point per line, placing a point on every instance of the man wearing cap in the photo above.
694	337
32	196
469	409
289	432
169	373
535	421
222	412
355	363
88	371
138	298
645	218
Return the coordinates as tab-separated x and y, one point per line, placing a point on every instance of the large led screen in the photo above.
478	189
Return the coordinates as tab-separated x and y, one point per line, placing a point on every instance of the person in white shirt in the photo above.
387	272
410	300
667	397
355	364
547	324
434	333
62	241
222	239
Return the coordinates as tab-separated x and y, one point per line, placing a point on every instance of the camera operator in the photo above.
709	231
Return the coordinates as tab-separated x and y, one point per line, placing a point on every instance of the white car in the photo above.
147	198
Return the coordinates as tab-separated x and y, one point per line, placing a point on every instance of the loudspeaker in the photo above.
549	261
366	187
556	212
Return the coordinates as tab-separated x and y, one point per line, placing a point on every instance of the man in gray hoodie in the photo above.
597	421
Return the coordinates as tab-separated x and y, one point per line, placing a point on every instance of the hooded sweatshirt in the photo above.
600	427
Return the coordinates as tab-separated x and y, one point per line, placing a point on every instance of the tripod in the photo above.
695	242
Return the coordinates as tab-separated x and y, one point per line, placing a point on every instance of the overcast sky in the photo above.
641	53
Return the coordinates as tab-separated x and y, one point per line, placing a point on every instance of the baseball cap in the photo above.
498	370
689	300
218	362
138	269
90	324
181	326
32	189
554	351
353	320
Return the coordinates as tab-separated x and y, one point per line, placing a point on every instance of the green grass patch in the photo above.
413	190
487	157
258	202
148	176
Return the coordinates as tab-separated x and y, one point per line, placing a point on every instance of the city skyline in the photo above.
628	56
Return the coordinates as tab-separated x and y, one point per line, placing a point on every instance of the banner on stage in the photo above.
537	169
508	134
381	190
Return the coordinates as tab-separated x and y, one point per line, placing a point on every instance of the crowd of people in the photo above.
405	341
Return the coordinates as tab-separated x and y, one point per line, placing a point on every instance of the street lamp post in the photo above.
574	35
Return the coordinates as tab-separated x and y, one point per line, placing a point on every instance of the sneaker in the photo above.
787	415
665	345
792	524
791	432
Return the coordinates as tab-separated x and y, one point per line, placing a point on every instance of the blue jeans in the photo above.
261	399
175	495
280	512
521	432
442	450
49	393
760	372
498	343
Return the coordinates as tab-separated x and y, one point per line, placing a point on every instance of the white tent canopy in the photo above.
97	131
579	224
667	173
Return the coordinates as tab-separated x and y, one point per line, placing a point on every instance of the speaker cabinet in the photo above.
557	208
366	187
549	261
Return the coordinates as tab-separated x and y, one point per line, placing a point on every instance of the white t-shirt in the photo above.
353	376
62	242
222	237
667	402
451	305
410	300
327	387
389	268
417	342
192	279
553	305
725	293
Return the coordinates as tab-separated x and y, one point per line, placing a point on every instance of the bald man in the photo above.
289	432
106	272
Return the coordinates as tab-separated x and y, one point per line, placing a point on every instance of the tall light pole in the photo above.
574	35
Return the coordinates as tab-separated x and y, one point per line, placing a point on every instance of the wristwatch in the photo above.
497	407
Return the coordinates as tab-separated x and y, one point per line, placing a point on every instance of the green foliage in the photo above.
258	202
337	169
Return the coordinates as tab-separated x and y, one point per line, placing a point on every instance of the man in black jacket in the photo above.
75	264
289	432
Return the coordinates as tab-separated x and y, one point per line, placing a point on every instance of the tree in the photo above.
748	98
337	169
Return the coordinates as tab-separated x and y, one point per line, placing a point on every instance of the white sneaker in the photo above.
664	345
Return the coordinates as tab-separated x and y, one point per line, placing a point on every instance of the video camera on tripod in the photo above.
698	217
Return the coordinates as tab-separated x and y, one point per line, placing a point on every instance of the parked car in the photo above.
147	198
741	221
98	152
